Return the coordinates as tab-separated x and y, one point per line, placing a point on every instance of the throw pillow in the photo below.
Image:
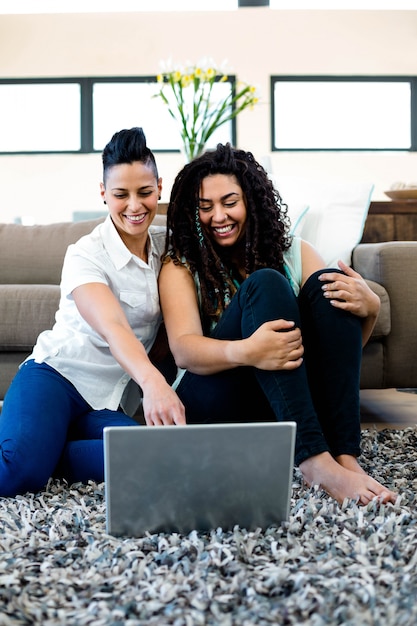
297	214
336	215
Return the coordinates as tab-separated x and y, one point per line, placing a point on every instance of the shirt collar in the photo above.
119	253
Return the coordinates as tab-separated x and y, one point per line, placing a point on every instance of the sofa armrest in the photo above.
383	323
393	264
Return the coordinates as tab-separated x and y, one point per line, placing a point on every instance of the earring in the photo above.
104	202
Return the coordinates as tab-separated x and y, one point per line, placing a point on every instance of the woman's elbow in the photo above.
179	354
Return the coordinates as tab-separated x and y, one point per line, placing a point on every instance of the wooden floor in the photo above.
388	408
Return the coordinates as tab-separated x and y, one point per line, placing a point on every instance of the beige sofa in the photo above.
31	259
30	265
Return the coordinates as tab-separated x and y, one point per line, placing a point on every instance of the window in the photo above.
136	106
343	113
81	114
40	117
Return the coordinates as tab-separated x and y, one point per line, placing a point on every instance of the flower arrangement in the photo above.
192	103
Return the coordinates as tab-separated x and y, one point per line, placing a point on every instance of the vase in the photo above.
192	149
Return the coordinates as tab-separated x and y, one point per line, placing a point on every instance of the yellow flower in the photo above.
204	108
186	80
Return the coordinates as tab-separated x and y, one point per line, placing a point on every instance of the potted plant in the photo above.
188	93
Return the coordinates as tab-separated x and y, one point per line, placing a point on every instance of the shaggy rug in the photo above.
329	564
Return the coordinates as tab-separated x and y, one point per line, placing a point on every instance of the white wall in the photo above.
257	42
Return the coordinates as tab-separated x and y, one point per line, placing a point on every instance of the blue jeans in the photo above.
321	396
47	429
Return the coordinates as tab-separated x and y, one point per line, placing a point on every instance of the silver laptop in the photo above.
181	478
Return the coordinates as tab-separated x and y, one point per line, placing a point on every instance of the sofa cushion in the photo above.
25	311
35	254
9	364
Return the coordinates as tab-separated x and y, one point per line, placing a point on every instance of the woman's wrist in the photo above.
236	353
150	376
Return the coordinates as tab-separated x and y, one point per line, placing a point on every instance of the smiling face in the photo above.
131	192
222	209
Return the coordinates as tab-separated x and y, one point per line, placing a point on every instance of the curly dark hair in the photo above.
267	226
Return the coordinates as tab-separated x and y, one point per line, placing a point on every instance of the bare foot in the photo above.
350	462
343	482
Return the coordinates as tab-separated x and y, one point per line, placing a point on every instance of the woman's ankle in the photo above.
350	462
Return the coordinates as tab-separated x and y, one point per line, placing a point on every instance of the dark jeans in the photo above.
47	428
321	396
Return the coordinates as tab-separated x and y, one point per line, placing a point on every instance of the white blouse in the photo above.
73	347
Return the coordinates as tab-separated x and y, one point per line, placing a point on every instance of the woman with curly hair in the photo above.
262	331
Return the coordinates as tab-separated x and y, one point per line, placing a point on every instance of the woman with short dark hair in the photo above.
81	375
